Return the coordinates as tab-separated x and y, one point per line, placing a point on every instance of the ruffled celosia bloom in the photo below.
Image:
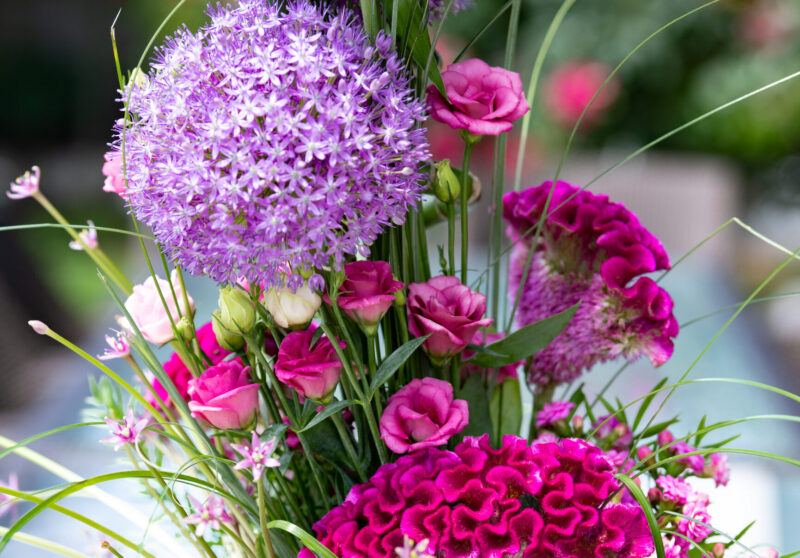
26	185
411	550
225	395
553	412
257	456
367	292
481	99
112	170
483	339
593	251
542	501
209	515
447	310
278	134
421	415
119	347
146	308
126	432
313	371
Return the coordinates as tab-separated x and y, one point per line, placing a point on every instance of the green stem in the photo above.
539	400
239	541
38	542
451	237
348	445
262	517
464	197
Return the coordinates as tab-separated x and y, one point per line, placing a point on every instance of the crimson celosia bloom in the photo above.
276	135
540	501
593	251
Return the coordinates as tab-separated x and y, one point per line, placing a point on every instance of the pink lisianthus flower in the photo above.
26	185
126	432
119	345
447	310
553	412
112	170
225	395
367	292
257	456
421	415
148	312
481	99
313	371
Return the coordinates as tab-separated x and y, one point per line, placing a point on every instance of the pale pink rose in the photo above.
422	415
570	88
112	170
367	292
148	312
225	395
481	99
313	372
447	310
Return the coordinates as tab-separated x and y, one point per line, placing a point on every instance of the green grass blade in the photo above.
44	544
652	522
308	541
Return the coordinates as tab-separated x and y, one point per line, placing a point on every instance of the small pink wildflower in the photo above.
9	503
674	489
88	236
411	550
210	514
553	412
26	185
718	468
696	462
125	432
258	455
694	525
120	347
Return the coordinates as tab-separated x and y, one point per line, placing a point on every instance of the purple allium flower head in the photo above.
553	411
593	251
126	432
275	137
438	7
211	514
257	456
544	500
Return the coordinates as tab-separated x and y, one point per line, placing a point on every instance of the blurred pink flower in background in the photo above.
26	185
112	170
145	307
571	86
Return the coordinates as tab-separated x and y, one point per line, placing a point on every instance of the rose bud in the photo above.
643	453
148	312
447	310
665	438
227	339
483	100
446	185
718	550
236	311
654	495
421	415
367	293
225	395
312	371
292	309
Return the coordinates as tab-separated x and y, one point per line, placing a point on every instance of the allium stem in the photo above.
464	221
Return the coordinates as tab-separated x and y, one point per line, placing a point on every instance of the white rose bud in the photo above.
292	309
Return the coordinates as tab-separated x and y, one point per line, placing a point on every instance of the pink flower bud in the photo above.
292	309
421	415
39	327
665	438
225	395
367	292
312	371
654	495
577	423
719	550
643	453
148	312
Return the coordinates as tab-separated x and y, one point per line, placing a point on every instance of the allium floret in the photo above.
543	501
277	135
593	251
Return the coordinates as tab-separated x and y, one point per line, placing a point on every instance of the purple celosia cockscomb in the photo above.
593	251
540	501
276	137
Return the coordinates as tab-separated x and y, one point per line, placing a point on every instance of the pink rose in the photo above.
366	293
225	395
483	100
145	307
422	415
447	310
313	372
112	170
179	373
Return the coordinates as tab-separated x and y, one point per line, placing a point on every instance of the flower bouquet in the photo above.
347	398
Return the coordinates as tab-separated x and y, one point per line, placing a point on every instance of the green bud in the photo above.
399	298
185	329
446	185
236	311
228	340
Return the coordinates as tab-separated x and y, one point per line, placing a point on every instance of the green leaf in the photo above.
392	363
646	404
410	19
506	405
329	410
308	541
480	420
656	428
274	431
525	341
652	522
700	435
325	441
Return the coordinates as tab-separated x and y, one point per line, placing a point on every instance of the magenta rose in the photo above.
313	372
422	415
447	310
481	99
225	395
367	292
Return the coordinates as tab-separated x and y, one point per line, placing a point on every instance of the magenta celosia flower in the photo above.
542	501
26	185
552	412
257	456
209	515
412	550
674	489
593	251
126	432
276	135
119	347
